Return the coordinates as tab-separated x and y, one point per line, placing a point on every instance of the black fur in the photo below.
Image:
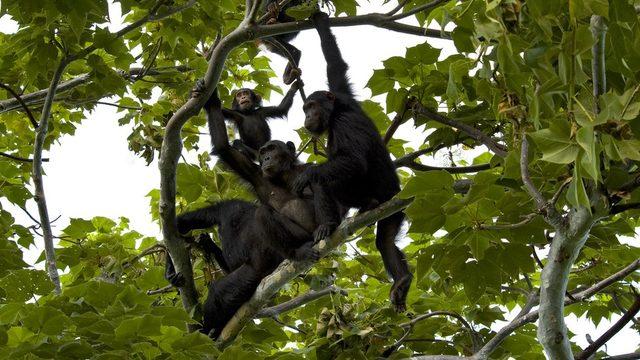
359	172
280	44
244	257
250	118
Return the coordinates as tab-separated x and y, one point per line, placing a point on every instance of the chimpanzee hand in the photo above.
176	280
302	181
323	231
213	102
306	252
320	18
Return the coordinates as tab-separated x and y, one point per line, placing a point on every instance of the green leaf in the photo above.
79	228
590	162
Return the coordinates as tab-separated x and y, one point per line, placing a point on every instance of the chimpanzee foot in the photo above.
399	292
291	74
323	231
306	252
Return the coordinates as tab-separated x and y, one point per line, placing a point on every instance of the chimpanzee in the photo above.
288	221
250	118
359	172
245	258
280	44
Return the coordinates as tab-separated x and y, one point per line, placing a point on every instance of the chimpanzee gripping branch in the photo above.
247	30
288	270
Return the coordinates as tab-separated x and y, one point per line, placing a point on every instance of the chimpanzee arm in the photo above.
232	115
336	66
240	163
283	109
326	210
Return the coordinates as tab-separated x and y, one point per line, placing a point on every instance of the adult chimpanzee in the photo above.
289	221
359	172
244	257
280	44
250	118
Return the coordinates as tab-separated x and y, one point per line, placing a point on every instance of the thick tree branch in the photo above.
615	328
473	132
288	270
598	69
17	97
298	302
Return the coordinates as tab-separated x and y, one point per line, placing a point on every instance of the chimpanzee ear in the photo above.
330	96
257	100
291	146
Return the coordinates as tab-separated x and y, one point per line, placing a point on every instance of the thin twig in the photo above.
526	219
22	103
18	158
417	9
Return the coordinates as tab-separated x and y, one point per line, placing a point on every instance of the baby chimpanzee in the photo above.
250	118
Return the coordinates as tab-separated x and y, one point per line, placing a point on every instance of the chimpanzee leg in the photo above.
289	52
394	260
226	296
328	213
284	235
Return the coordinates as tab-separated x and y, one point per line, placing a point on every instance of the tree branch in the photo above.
473	132
518	322
36	96
298	301
18	158
475	337
398	120
615	328
21	102
526	219
288	270
598	69
426	7
451	170
39	197
541	202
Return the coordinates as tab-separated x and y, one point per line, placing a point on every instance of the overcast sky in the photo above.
94	174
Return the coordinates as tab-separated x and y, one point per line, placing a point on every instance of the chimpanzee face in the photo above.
244	99
276	157
317	110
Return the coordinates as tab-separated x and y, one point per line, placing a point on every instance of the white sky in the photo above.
94	174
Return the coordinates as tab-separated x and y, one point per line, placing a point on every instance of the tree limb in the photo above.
398	120
298	301
475	337
451	170
620	208
18	158
417	9
615	328
288	270
473	132
39	196
21	102
36	96
518	322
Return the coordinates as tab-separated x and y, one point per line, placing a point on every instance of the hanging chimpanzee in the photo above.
244	257
250	118
359	172
280	44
